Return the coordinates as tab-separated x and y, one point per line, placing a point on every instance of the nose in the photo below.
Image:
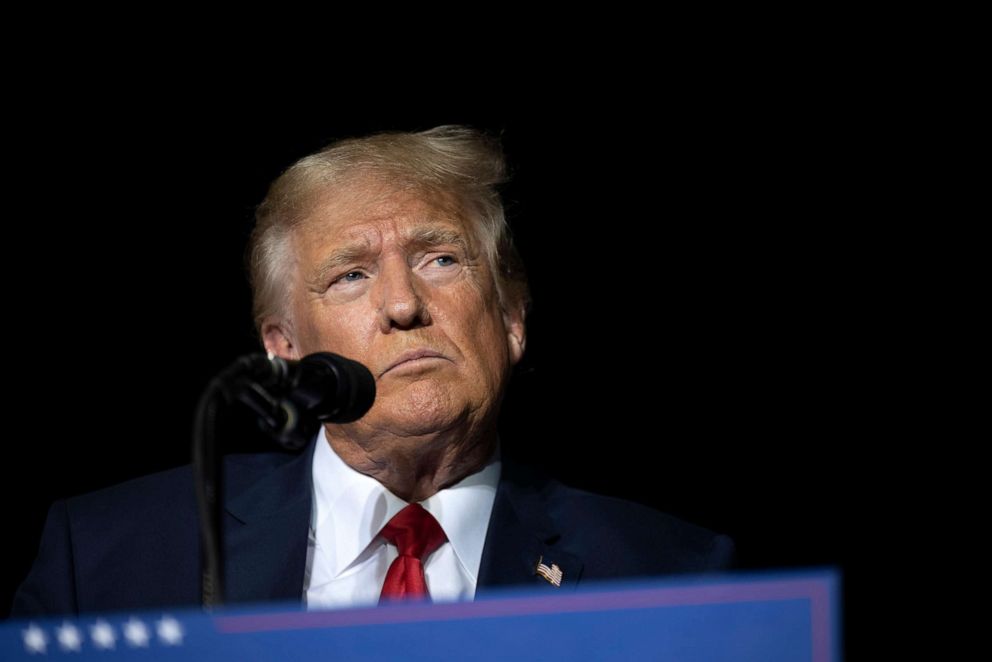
401	303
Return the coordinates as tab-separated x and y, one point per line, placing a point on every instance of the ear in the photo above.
516	332
278	338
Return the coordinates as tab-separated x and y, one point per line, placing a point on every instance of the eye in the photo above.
350	277
444	260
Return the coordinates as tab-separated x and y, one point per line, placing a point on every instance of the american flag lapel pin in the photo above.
552	575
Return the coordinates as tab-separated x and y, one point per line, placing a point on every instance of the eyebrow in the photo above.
433	235
420	238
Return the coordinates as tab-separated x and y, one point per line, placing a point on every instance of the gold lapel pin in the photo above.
553	574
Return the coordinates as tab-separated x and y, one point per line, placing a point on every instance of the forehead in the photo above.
373	211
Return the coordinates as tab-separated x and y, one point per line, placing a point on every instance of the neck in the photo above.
414	468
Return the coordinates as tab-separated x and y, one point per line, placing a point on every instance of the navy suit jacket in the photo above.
136	545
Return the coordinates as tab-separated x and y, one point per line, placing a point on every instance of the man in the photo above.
391	250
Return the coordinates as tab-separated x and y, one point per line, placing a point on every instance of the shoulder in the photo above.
136	493
627	527
131	545
162	499
99	545
618	537
171	488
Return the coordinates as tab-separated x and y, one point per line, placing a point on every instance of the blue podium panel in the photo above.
770	618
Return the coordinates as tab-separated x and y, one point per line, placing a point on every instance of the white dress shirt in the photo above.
347	559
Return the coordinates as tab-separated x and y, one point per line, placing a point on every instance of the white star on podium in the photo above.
35	640
68	636
170	631
103	635
136	633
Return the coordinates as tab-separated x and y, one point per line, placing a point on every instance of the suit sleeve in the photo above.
50	587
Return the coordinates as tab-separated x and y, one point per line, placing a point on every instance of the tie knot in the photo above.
414	531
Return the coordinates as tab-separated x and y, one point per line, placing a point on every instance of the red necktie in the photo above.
416	534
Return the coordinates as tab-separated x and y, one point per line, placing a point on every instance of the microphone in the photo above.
291	398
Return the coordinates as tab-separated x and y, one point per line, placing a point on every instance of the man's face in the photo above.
396	280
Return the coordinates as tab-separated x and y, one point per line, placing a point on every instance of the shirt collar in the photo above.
351	508
463	512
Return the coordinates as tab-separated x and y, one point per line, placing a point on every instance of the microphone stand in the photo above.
290	402
234	384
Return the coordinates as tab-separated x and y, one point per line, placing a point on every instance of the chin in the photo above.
419	409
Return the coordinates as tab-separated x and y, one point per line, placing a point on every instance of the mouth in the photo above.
414	357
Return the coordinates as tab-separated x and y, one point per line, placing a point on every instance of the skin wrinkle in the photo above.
434	421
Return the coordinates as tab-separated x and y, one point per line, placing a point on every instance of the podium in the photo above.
770	617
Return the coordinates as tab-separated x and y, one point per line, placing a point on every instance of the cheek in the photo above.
483	341
337	330
496	350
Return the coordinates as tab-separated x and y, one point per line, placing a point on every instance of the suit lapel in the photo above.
521	535
267	527
268	524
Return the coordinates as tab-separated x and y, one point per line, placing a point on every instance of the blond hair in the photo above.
454	160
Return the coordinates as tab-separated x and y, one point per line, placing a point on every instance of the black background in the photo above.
708	293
